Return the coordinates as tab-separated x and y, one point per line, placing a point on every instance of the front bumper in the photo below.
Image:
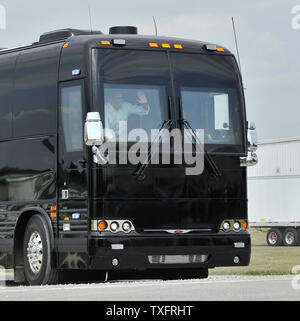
133	252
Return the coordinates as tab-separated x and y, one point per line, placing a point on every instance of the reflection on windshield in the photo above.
214	110
137	105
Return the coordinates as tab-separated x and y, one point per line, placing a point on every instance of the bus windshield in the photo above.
135	86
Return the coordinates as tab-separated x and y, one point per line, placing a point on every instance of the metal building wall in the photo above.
277	158
274	184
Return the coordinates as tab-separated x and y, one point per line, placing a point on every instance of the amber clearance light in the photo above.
102	225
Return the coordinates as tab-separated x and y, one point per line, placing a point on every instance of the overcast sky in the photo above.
269	46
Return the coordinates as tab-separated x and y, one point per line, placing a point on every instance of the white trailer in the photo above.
274	191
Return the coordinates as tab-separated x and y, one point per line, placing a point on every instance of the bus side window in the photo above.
7	66
71	116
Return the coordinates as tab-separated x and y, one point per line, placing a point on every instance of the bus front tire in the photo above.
37	254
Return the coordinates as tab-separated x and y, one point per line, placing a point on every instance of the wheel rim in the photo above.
289	238
273	238
35	252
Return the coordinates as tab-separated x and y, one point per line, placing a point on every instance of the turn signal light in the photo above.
53	211
102	225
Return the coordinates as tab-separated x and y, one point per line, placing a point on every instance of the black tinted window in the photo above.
71	116
7	69
35	95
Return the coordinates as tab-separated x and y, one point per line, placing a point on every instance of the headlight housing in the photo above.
114	226
235	225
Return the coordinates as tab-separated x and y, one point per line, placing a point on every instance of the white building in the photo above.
274	185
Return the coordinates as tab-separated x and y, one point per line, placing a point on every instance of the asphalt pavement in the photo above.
214	288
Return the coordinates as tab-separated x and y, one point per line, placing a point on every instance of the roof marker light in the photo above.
165	45
153	44
177	46
220	49
105	42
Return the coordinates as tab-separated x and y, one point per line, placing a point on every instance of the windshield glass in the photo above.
211	98
215	111
131	91
137	89
137	106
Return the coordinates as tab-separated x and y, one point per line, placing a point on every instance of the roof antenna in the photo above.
90	19
155	25
236	44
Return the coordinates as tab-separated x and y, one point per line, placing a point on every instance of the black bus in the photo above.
61	209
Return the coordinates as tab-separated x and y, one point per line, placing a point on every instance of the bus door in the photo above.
72	171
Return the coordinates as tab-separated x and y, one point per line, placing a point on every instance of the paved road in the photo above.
213	288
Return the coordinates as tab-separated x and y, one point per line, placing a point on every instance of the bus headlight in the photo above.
226	226
126	226
237	226
114	226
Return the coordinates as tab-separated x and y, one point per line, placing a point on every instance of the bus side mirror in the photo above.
93	130
252	137
252	145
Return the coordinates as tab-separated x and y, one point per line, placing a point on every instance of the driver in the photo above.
117	109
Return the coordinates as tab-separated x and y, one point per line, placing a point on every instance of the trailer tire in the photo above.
290	237
38	262
274	237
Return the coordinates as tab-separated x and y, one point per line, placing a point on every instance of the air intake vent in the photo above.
64	34
123	30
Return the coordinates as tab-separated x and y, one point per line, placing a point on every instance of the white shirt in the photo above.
113	116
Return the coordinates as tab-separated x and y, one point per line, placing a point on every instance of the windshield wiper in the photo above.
207	158
141	167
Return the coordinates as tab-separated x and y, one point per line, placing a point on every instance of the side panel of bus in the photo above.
28	143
